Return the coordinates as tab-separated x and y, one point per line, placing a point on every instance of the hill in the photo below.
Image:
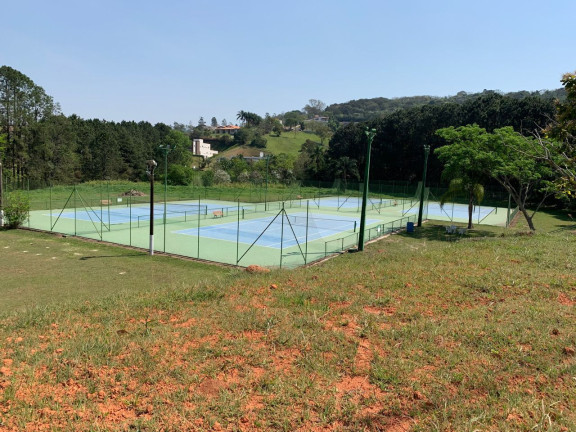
367	109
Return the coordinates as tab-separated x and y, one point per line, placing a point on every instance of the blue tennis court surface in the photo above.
351	202
282	232
125	214
456	211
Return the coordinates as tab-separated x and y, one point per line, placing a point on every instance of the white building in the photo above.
200	148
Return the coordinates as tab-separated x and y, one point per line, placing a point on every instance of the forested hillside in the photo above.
43	145
369	109
397	148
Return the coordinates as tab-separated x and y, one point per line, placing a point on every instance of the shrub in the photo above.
16	209
208	178
180	175
221	176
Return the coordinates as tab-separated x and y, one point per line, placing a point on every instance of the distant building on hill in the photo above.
200	148
230	129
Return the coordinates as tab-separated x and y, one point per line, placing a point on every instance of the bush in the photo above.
221	177
208	178
179	175
259	142
16	209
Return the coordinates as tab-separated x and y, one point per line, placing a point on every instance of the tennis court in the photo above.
286	233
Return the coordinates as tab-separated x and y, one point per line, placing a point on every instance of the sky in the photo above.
177	61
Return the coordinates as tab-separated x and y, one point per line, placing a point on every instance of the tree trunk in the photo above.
470	211
528	218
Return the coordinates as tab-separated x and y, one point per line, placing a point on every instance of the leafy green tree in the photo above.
558	145
259	142
214	122
461	166
314	107
207	178
346	168
473	154
311	162
179	143
180	175
243	136
293	119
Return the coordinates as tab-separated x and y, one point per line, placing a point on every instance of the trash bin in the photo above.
410	227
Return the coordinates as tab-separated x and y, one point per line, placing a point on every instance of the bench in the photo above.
218	213
105	202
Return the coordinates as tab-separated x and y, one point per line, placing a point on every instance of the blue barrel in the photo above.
410	227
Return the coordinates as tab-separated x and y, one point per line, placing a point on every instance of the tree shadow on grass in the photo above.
437	232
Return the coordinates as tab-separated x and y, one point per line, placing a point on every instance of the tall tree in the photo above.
314	107
472	155
558	144
248	118
214	122
22	103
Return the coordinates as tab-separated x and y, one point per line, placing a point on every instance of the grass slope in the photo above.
416	333
289	143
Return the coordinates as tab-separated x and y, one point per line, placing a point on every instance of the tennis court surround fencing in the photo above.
214	224
310	226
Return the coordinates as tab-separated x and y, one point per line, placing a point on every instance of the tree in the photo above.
473	154
224	122
293	119
22	103
248	118
259	142
214	122
201	122
346	168
460	165
311	161
314	107
558	144
474	192
221	177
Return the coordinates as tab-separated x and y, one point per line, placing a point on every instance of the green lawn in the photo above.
416	333
289	142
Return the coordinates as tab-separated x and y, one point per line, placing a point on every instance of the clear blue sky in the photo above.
178	60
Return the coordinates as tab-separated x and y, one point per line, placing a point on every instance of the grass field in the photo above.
414	334
289	142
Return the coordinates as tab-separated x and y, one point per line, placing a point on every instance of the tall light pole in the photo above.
370	134
165	149
266	190
426	152
150	171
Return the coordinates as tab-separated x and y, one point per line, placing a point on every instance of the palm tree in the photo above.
347	167
464	187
